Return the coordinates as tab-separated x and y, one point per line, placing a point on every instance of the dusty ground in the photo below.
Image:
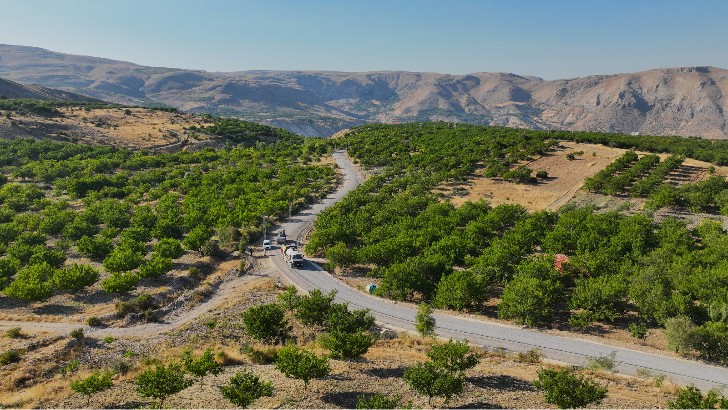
499	381
565	179
143	128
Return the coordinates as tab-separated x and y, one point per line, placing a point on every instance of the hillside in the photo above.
672	101
10	89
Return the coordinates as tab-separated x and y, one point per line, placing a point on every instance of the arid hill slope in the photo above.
11	89
674	101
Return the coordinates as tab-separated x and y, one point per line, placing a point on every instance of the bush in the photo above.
567	390
345	345
77	334
461	290
379	401
8	268
32	283
266	355
94	321
529	300
244	388
96	248
266	323
161	382
197	237
169	248
341	319
11	356
120	282
212	249
289	298
542	174
711	339
453	356
313	309
201	366
425	321
690	397
14	333
137	233
431	380
93	384
301	364
123	259
680	333
155	267
75	277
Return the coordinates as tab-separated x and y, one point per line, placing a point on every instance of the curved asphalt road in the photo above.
491	335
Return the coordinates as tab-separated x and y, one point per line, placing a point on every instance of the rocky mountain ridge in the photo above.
685	101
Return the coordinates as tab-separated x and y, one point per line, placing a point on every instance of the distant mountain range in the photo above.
686	101
11	89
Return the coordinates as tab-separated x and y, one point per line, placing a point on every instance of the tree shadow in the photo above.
94	297
345	399
501	382
56	310
130	405
386	372
479	405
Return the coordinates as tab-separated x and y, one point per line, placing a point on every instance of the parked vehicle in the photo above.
267	245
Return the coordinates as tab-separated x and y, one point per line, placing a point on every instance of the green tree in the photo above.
201	366
345	345
530	300
96	248
120	282
161	382
453	356
568	390
95	383
75	277
155	267
123	259
244	388
425	321
313	309
32	283
431	380
266	323
8	268
681	334
169	248
461	290
690	397
300	364
341	255
341	319
197	237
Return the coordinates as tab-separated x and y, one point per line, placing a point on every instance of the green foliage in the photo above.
75	277
77	334
345	345
430	380
8	268
711	339
425	321
123	259
266	323
95	383
244	388
568	390
201	366
453	356
680	333
313	309
14	333
32	283
120	282
161	382
341	319
461	290
155	267
690	397
379	401
530	300
197	237
289	298
169	248
10	356
301	364
603	297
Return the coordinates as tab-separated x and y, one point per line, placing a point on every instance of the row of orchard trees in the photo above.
619	267
133	212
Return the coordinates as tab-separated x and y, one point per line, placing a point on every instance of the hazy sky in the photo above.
546	38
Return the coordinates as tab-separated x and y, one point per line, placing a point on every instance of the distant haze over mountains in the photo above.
674	101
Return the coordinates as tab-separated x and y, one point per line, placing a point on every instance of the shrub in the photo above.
453	356
75	277
120	282
161	382
155	267
711	339
8	268
212	249
690	397
301	364
244	388
14	333
680	333
313	309
542	174
94	321
341	319
169	248
96	248
197	237
602	362
32	283
123	259
567	390
461	290
10	356
345	345
77	334
266	323
638	330
201	366
530	300
379	401
266	355
93	384
431	380
425	321
532	356
289	298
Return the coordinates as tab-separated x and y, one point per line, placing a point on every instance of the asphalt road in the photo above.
488	334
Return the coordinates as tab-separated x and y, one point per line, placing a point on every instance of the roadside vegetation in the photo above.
577	265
